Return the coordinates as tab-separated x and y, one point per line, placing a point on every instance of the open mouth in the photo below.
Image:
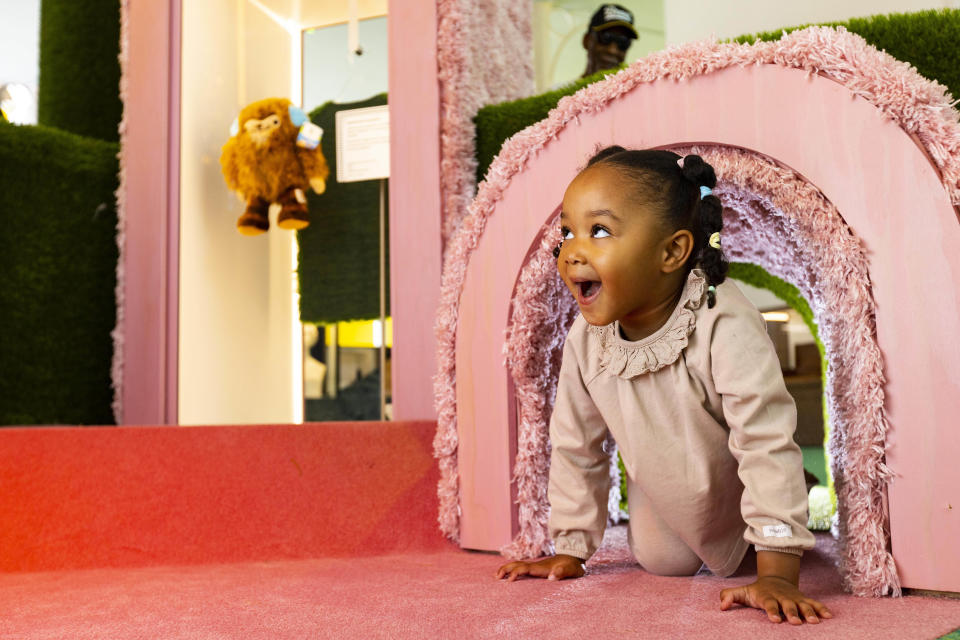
587	291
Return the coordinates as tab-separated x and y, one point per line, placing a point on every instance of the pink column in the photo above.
415	244
150	160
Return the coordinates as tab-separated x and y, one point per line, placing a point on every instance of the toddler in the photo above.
676	364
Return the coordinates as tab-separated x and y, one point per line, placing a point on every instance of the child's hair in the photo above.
673	188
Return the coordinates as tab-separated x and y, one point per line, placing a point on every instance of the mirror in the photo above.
346	363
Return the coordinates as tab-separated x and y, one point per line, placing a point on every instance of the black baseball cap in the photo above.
612	15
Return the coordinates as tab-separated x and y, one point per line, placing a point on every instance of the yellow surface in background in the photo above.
359	333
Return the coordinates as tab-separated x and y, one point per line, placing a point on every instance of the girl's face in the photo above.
613	250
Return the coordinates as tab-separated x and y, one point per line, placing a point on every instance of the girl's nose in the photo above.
573	253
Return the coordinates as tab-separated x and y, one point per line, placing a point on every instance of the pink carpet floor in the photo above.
446	593
324	531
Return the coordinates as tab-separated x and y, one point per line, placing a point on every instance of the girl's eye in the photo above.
565	233
599	232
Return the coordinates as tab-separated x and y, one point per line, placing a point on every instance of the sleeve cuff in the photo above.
570	551
797	551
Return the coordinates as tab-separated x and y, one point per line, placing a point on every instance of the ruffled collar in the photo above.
628	359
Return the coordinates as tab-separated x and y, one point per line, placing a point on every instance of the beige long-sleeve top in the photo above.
704	424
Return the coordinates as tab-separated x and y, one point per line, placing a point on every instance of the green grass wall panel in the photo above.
927	39
79	86
497	122
58	254
339	253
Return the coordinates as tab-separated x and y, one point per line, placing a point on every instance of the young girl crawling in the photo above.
677	365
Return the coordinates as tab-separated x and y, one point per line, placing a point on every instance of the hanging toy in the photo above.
272	157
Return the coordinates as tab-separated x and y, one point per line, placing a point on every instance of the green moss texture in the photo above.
926	39
79	69
58	257
339	255
497	122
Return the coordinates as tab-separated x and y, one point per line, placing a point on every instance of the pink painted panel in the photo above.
415	244
151	159
890	196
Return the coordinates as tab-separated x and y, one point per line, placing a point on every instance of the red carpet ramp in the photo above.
77	498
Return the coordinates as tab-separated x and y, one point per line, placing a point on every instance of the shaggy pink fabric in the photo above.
537	299
483	57
116	369
541	313
828	267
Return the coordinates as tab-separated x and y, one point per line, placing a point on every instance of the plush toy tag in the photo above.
297	115
309	136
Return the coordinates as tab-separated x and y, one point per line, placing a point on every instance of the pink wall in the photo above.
415	243
150	159
888	193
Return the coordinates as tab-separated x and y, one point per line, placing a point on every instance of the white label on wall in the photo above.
363	144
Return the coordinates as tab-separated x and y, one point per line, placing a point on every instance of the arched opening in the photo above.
800	238
870	275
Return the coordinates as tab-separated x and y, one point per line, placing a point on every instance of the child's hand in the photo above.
773	594
553	568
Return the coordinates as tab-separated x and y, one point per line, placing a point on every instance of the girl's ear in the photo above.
676	250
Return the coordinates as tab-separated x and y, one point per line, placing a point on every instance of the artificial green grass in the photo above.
58	256
339	263
495	123
815	462
926	39
953	635
758	277
79	67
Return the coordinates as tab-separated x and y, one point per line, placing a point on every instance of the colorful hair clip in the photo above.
705	191
714	240
680	162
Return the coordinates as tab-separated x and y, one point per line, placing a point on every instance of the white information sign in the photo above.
363	144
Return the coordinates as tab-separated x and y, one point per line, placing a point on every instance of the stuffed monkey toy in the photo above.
272	157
